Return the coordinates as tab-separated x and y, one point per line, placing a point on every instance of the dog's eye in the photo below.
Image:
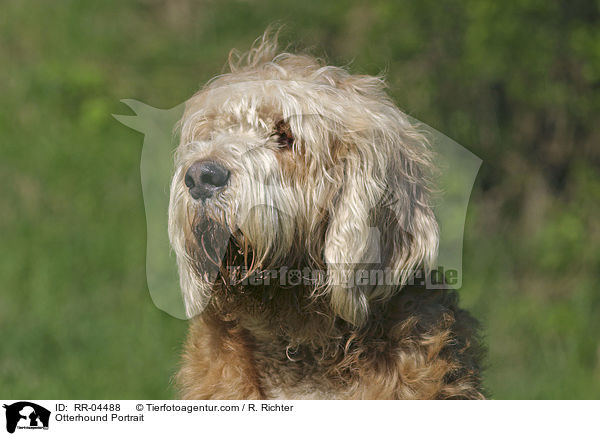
283	135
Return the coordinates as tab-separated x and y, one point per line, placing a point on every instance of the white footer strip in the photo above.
41	417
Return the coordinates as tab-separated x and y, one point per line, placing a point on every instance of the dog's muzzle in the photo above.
205	178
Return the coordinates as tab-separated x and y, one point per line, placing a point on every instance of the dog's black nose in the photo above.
205	178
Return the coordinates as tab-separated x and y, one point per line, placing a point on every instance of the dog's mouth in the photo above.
211	239
219	254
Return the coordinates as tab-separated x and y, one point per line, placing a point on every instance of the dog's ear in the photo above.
381	226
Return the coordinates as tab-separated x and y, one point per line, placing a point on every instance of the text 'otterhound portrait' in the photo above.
299	215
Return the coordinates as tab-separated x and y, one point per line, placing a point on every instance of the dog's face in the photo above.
287	163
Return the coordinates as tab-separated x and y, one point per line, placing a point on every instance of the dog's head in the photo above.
286	162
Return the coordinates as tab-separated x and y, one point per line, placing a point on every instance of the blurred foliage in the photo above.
517	83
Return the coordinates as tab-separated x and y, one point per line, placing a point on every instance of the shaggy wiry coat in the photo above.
326	175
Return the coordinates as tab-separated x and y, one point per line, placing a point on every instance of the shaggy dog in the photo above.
293	182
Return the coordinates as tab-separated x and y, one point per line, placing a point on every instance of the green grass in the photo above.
75	313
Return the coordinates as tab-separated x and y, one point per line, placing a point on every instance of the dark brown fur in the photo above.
252	344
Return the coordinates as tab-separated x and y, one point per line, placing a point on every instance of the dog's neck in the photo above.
273	311
291	316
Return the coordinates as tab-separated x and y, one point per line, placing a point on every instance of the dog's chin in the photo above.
221	256
211	240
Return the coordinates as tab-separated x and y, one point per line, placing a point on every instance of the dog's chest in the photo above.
309	389
302	376
300	392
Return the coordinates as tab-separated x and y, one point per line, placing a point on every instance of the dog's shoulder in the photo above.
436	345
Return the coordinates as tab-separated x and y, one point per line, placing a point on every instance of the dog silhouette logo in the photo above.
26	415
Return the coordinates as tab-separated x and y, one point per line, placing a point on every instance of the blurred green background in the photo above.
517	83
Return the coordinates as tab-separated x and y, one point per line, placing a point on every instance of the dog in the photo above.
286	164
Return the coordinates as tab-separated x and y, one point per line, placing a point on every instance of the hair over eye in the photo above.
283	134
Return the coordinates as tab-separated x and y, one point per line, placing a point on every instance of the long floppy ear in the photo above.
381	220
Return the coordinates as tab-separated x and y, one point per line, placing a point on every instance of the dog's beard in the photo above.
220	256
228	261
